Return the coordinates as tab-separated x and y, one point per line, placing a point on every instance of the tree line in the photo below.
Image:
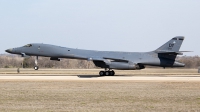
14	61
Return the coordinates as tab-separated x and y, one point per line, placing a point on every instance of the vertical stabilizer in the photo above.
173	45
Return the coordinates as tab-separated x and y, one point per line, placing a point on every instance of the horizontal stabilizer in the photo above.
170	52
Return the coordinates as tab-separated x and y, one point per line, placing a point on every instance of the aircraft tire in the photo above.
101	73
107	73
36	67
112	73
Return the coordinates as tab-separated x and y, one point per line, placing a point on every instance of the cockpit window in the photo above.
175	39
28	45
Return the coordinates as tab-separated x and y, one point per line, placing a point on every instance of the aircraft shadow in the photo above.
96	76
88	76
79	76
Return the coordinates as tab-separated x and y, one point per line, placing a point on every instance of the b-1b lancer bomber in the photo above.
164	56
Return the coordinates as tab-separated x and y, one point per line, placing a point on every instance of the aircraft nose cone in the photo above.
9	50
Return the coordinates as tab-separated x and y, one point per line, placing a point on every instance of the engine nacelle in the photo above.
55	59
124	66
119	65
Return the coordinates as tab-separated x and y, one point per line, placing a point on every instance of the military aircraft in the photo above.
164	56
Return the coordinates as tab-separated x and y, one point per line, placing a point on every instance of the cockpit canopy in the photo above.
28	45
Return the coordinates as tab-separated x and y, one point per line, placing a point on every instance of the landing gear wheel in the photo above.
101	73
112	73
107	73
36	67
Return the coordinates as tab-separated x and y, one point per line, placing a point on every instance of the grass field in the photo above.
46	96
99	96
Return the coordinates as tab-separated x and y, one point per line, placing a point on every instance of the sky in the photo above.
107	25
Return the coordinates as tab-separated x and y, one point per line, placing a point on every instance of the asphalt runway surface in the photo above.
176	78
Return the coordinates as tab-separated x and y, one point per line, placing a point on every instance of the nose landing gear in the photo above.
36	67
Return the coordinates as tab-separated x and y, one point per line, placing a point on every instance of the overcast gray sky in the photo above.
110	25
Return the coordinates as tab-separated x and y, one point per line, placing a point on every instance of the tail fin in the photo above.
173	45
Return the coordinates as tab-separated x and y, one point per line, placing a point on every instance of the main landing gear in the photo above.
107	73
36	67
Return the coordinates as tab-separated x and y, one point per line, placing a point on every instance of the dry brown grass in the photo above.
94	96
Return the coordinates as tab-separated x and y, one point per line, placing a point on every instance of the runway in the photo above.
40	77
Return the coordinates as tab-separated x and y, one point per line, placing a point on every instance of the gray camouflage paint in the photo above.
164	56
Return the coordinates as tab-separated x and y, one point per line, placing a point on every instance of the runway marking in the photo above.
105	78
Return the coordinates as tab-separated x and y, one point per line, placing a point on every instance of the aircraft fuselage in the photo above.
164	56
